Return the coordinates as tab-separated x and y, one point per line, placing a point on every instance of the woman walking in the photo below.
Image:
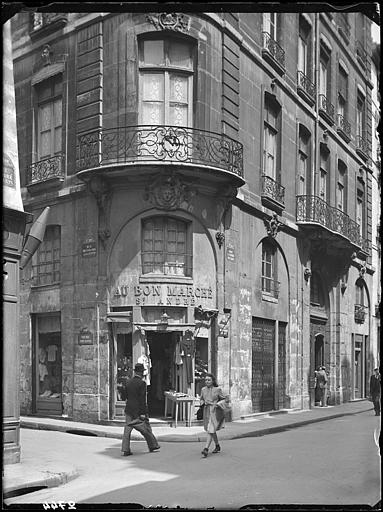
214	403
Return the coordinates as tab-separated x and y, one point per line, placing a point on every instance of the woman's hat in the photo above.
139	368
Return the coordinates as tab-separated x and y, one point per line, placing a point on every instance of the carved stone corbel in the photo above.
272	225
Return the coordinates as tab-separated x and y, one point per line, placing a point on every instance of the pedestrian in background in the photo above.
321	385
375	390
136	412
214	403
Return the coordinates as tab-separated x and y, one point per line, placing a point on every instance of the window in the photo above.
270	284
271	139
46	262
49	118
341	186
165	247
342	92
316	292
360	209
304	160
360	115
304	49
359	293
324	173
324	72
270	24
166	82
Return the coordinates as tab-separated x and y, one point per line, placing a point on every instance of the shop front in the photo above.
171	339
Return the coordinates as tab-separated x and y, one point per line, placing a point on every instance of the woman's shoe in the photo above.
204	452
216	449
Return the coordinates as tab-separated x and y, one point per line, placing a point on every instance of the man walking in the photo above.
375	390
321	383
136	412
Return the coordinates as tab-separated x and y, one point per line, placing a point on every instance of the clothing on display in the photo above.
43	372
145	360
52	349
187	347
42	355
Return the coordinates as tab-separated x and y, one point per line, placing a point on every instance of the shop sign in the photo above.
89	248
230	255
9	177
165	295
85	337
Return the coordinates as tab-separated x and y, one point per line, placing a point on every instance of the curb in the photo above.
197	437
50	480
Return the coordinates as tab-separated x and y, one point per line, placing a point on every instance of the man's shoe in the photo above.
154	449
217	449
126	454
204	452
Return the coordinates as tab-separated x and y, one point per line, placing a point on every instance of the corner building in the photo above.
210	189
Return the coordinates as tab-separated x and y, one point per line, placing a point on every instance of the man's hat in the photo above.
139	368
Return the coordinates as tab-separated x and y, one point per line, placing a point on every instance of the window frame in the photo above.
164	221
50	245
42	101
341	188
271	128
167	70
269	269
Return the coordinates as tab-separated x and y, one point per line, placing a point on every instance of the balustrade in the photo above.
46	169
273	189
344	125
326	106
276	51
306	84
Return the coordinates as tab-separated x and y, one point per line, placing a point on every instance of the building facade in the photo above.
210	184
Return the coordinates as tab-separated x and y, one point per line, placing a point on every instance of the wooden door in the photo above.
263	355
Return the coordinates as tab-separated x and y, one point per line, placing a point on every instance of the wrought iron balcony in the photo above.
362	146
313	210
272	190
306	86
360	313
46	21
273	49
270	286
344	128
365	245
43	171
326	108
361	54
153	144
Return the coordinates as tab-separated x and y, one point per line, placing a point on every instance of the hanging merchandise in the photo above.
145	357
52	349
187	346
177	356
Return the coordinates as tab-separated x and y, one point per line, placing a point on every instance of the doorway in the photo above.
163	373
263	360
359	366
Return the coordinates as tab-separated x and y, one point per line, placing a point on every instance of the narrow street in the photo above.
331	462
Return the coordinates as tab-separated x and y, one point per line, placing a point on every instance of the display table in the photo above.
186	401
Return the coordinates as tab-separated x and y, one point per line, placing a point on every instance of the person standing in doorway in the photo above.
214	403
375	390
321	384
136	412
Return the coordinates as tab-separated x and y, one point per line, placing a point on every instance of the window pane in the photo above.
45	144
178	89
178	115
153	113
153	87
58	146
179	54
45	117
154	52
57	113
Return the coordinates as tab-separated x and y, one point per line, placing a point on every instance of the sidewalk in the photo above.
37	470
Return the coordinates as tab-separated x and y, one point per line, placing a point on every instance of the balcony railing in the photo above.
274	49
45	170
361	54
327	108
272	189
313	210
344	127
365	245
270	286
306	84
135	144
362	145
360	313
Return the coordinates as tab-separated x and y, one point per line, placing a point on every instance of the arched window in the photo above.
165	247
270	283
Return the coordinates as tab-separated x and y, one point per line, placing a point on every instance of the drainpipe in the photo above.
98	358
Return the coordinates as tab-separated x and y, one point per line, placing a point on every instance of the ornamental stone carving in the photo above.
168	192
273	225
169	21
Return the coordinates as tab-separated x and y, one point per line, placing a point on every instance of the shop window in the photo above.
201	364
49	118
46	261
166	82
124	362
48	364
270	284
165	247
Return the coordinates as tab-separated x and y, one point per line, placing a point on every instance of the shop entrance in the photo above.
163	373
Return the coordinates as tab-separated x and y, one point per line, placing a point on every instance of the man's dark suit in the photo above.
375	391
136	414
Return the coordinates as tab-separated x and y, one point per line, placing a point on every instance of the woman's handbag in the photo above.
200	413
